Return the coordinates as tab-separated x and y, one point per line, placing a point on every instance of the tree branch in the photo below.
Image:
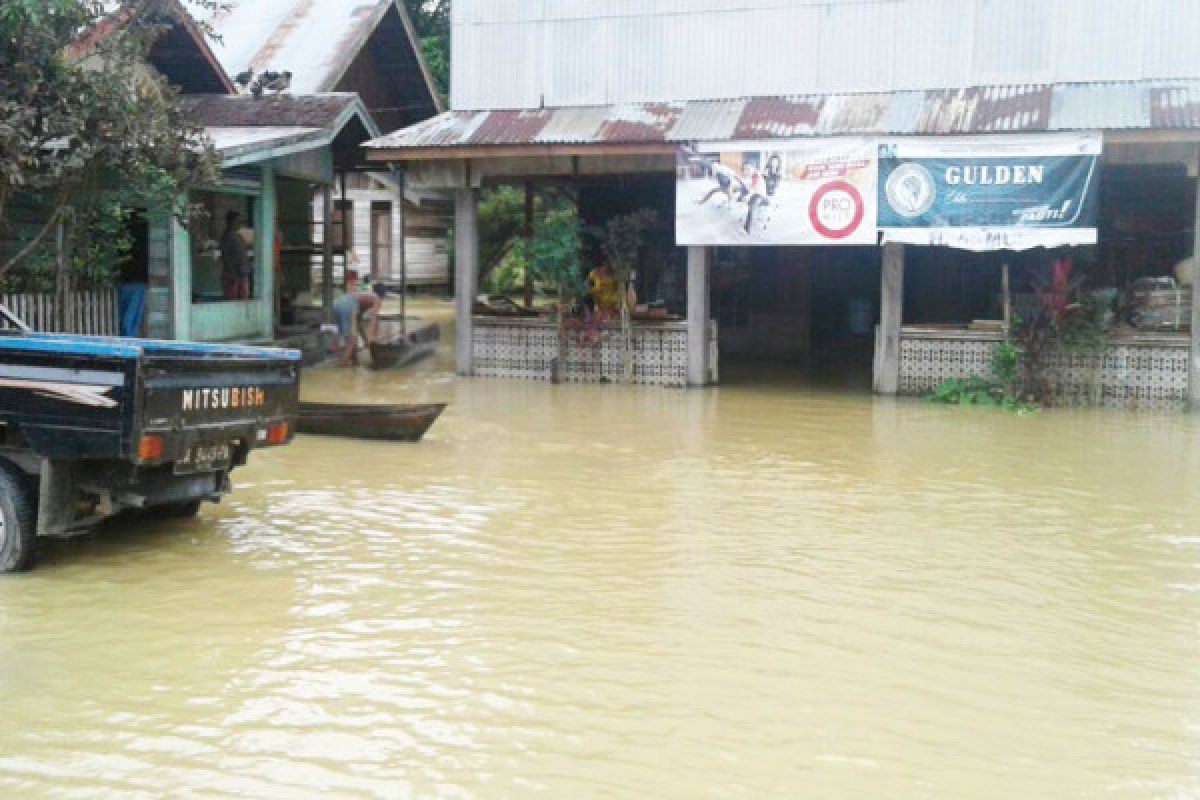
33	243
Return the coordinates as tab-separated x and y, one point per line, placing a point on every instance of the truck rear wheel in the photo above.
18	522
182	510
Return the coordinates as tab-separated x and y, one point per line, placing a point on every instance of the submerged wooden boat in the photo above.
391	423
402	342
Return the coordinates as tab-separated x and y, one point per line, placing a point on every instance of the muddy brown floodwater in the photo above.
599	592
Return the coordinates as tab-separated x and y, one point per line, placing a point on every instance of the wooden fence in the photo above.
91	312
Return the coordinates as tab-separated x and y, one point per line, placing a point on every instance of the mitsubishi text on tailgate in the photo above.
91	427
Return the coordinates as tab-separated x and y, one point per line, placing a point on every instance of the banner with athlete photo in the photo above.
992	192
806	192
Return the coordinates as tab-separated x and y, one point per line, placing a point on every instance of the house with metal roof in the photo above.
873	183
276	151
368	48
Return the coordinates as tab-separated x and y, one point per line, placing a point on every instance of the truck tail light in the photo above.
277	433
150	448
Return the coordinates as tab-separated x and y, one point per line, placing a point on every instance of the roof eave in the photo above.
392	155
258	152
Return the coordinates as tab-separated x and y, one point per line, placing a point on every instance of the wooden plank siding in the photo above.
93	312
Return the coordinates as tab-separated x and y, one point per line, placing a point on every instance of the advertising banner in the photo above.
809	192
990	192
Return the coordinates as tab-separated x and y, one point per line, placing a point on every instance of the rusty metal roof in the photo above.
326	111
244	129
1129	105
316	40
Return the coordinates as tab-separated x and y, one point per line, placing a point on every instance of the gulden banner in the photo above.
990	192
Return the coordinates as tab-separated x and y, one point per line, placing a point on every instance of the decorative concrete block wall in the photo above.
1136	371
525	348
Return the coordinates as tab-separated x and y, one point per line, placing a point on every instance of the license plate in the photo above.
205	458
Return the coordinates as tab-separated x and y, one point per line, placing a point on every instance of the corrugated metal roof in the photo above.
239	126
282	111
1146	105
237	141
315	40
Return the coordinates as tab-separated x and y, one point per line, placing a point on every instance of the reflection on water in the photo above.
608	592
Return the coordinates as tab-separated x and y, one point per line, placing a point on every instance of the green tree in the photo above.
87	129
431	21
621	241
554	259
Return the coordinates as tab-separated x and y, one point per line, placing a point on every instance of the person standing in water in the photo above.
349	311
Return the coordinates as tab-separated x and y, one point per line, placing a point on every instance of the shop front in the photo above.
1131	284
899	259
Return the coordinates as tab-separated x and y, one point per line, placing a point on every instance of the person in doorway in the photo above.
728	184
235	265
353	311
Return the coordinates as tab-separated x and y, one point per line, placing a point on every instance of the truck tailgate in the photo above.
190	399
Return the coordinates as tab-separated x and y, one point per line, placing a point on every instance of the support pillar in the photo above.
466	276
400	243
265	268
1194	360
891	317
529	200
327	252
697	316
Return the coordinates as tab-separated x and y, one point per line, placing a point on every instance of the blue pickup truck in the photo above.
93	427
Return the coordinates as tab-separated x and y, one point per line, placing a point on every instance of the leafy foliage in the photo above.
502	236
1064	318
431	21
972	391
508	276
998	390
621	241
554	254
87	126
554	258
501	224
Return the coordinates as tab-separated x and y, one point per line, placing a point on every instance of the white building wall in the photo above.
527	53
426	250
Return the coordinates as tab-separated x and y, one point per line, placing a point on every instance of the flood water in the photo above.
601	592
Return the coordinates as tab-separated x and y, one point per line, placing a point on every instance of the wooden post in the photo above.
466	275
1006	290
264	252
63	322
403	257
891	316
327	252
1194	361
697	316
528	242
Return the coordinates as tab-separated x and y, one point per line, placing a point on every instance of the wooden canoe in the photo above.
391	423
396	349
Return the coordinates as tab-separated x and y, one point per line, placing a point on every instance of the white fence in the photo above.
92	312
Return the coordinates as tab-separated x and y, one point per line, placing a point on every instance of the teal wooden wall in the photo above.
251	320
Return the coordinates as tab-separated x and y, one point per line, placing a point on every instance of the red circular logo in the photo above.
836	210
